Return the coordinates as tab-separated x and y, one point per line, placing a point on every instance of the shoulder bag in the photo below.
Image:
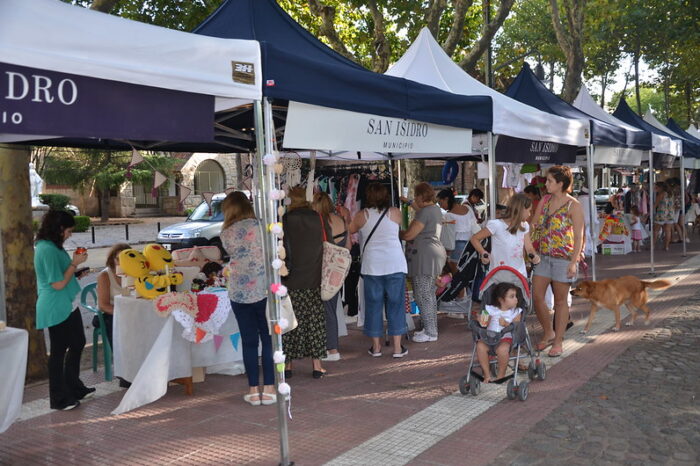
335	266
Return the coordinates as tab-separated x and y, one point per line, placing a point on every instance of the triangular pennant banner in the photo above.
199	334
218	339
235	338
136	158
159	179
229	190
208	197
184	192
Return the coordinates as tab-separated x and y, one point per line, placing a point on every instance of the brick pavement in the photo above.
359	399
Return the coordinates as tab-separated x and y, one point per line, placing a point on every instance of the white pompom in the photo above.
278	356
284	389
277	229
277	264
281	291
270	159
284	323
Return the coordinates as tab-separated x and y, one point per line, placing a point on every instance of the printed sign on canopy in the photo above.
321	128
34	101
516	150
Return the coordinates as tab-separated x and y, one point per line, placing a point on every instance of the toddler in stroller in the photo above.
501	332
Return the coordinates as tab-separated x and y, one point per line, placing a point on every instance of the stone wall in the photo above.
227	162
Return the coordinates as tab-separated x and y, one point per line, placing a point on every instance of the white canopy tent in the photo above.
694	131
605	154
53	35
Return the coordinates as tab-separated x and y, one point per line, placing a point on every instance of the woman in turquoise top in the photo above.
57	288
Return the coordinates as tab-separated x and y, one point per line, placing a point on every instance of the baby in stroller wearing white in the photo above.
497	336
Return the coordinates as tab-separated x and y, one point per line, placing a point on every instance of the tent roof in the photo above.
299	67
637	138
693	131
689	147
56	36
661	141
528	89
426	62
676	128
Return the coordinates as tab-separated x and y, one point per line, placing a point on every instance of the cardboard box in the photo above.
613	249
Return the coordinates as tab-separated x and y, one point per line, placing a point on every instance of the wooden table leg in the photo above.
187	382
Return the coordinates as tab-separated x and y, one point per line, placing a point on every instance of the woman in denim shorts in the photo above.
559	225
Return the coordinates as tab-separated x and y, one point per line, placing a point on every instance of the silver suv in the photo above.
202	228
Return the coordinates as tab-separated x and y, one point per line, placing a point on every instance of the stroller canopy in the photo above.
505	274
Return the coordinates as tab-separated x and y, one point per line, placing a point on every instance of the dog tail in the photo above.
659	284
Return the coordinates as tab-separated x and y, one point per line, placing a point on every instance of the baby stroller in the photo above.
522	345
469	268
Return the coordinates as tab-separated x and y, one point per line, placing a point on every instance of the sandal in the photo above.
553	353
318	374
543	345
272	398
252	398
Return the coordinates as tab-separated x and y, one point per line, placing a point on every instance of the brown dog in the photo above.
611	294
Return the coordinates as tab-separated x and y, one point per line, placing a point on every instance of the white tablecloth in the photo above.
149	350
14	344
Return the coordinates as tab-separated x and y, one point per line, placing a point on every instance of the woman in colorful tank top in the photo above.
559	228
664	215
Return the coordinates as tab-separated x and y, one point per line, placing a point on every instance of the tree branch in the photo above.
432	15
382	48
457	28
327	15
469	62
559	28
105	6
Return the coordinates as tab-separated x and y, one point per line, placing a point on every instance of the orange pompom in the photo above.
278	329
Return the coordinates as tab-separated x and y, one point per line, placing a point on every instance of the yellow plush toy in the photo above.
158	257
135	264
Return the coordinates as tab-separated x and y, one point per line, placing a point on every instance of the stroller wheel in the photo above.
523	390
464	385
541	371
511	389
475	387
531	371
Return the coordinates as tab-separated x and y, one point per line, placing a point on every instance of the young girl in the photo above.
505	295
636	227
510	236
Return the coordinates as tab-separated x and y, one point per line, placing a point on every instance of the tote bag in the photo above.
336	265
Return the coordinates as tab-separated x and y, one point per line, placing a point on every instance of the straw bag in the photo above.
336	265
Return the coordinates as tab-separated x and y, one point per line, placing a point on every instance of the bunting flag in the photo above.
184	192
136	157
218	339
199	334
159	179
207	198
229	190
235	338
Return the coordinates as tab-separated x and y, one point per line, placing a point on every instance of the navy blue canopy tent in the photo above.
663	142
297	66
691	144
528	89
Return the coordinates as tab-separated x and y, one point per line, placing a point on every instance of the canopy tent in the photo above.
426	62
58	60
690	163
614	155
661	142
689	148
692	130
299	68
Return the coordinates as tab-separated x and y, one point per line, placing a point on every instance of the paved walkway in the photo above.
395	411
108	235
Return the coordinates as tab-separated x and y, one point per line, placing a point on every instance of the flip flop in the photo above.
555	353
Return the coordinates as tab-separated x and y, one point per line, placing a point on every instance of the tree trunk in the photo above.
636	80
432	15
104	204
469	62
603	86
327	15
667	97
688	102
457	28
382	48
570	39
552	64
104	6
18	254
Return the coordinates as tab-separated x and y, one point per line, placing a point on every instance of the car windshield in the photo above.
602	192
204	214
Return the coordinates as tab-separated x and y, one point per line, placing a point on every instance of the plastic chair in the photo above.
90	291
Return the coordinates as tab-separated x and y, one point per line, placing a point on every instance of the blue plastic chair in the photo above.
90	292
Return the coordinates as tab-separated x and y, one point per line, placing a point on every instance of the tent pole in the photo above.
391	181
264	120
652	199
398	171
591	209
492	177
682	213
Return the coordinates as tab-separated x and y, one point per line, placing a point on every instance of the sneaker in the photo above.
404	352
373	354
88	393
423	338
331	357
68	406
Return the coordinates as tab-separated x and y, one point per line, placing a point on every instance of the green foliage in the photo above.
35	225
189	211
82	223
54	201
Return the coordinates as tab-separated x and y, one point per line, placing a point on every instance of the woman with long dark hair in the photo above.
57	287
